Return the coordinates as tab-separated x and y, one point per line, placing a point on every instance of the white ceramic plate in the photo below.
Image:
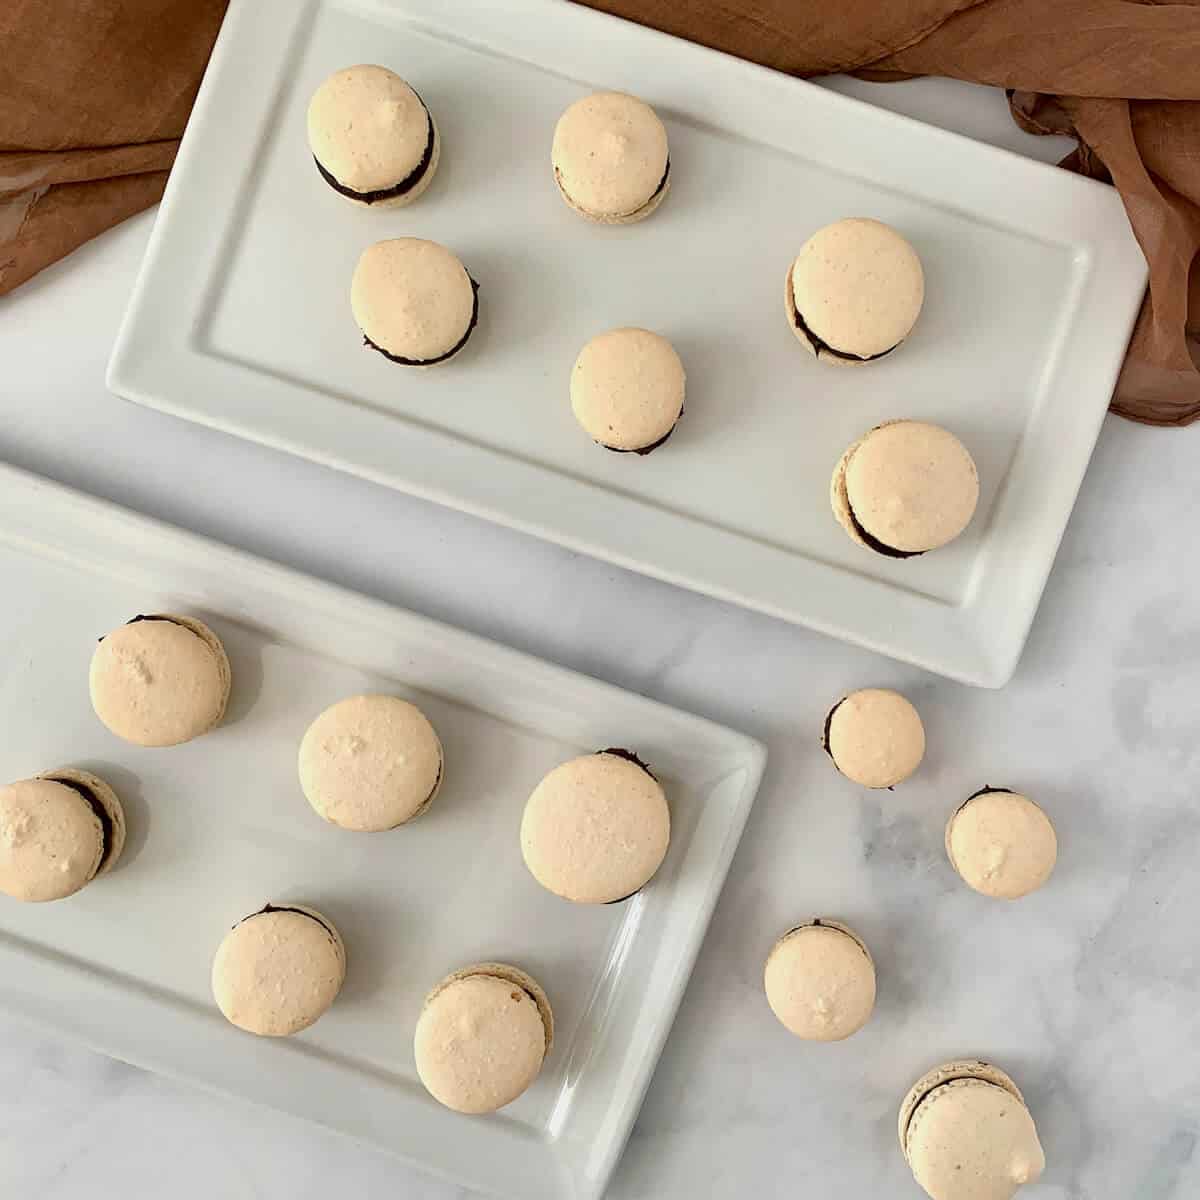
219	826
242	320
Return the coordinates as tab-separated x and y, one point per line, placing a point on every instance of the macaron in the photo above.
414	301
610	157
966	1134
278	970
482	1037
820	981
905	488
371	763
58	832
854	291
875	737
1001	843
627	389
160	680
597	828
372	137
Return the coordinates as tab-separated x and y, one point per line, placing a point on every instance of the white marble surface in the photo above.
1089	992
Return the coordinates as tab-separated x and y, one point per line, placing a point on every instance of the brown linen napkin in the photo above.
94	95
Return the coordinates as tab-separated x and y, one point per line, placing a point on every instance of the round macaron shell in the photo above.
610	157
820	981
370	763
278	971
875	737
627	388
969	1068
858	286
481	1038
160	680
972	1140
596	829
369	129
1002	844
413	299
911	485
108	800
51	842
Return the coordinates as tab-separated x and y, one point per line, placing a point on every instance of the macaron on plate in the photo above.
814	267
297	902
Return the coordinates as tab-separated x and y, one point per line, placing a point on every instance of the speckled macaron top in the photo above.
610	158
905	488
854	291
413	301
820	981
482	1037
372	137
371	763
57	833
967	1135
597	828
627	389
875	737
278	971
1001	843
160	680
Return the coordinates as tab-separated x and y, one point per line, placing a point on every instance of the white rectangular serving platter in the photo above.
219	826
241	318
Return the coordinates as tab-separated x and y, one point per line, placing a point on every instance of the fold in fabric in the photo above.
94	95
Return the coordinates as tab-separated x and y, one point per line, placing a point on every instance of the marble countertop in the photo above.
1087	992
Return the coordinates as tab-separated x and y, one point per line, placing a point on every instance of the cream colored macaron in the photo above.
627	390
277	971
854	291
597	828
58	832
610	157
371	763
482	1037
875	737
372	137
966	1134
820	981
905	488
1001	843
414	301
160	680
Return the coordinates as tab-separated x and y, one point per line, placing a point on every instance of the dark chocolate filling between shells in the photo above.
101	814
642	450
662	183
821	346
405	185
983	791
629	756
828	727
429	362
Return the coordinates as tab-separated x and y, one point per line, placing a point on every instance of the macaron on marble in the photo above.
597	828
372	137
371	763
875	737
905	488
482	1037
966	1134
627	390
278	970
820	981
854	291
160	680
58	832
414	301
1001	843
610	157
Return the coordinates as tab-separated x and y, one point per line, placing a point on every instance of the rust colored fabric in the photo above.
94	95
